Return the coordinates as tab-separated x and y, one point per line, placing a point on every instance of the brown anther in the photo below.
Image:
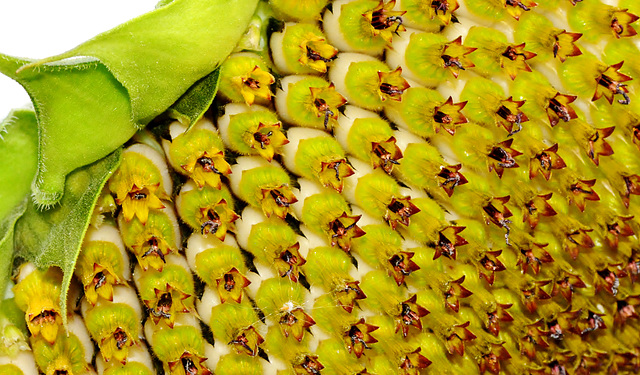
229	282
452	178
442	118
505	160
279	198
381	21
315	56
188	366
512	54
390	90
322	106
45	317
616	26
154	249
451	61
211	225
99	279
516	3
559	109
163	306
311	365
137	195
447	248
440	5
515	119
252	83
263	138
121	337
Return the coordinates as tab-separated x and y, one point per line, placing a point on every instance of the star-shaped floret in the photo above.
316	52
231	285
391	85
454	56
448	115
266	139
610	83
544	161
564	45
384	21
514	59
255	83
325	102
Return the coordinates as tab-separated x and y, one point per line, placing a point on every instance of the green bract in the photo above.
91	100
18	150
54	237
133	73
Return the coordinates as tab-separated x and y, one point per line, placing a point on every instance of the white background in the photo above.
42	28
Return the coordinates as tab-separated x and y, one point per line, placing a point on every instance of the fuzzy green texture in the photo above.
192	201
423	57
286	348
622	50
130	368
67	350
362	82
18	163
132	51
337	359
538	32
172	274
327	267
593	19
478	137
382	293
214	262
69	105
425	224
159	224
10	369
193	143
483	98
302	11
376	246
269	238
321	209
104	319
243	125
375	191
419	13
256	179
192	105
229	318
417	109
238	65
579	74
276	293
170	344
102	253
363	132
312	152
490	44
300	103
487	9
234	364
355	28
420	165
536	90
332	318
